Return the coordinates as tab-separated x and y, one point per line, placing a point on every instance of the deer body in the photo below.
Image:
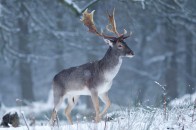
96	75
94	78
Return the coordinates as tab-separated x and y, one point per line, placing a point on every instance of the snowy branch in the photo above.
177	16
7	28
145	73
142	3
74	6
3	9
77	8
156	59
168	6
29	57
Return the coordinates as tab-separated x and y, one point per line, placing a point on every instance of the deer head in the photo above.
116	42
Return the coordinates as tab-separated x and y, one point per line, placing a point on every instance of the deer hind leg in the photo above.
58	96
57	102
104	97
95	100
72	100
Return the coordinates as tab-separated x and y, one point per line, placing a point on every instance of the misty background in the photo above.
39	38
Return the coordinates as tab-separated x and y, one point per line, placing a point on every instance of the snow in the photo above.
185	100
136	118
70	2
180	114
79	9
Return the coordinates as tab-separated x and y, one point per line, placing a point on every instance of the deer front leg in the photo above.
104	97
95	100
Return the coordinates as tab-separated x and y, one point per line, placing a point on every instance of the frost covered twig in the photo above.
46	117
194	110
22	113
19	102
164	99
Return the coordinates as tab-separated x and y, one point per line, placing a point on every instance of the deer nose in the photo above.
130	53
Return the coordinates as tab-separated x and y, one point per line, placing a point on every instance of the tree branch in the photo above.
75	7
142	3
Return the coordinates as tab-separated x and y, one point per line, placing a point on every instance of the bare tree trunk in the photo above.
60	48
142	87
171	63
24	66
189	62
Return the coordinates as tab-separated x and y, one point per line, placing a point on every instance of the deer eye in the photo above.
120	46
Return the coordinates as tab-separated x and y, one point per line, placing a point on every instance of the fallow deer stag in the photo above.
93	78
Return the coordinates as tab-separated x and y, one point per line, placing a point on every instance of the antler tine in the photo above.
127	35
88	21
125	32
112	24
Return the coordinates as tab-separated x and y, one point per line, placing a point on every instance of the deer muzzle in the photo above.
130	53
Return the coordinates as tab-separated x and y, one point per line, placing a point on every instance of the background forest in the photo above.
39	38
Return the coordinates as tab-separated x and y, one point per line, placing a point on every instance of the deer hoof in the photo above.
97	119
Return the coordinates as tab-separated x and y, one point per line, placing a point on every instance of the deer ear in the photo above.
108	42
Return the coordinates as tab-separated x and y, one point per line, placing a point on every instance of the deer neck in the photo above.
110	64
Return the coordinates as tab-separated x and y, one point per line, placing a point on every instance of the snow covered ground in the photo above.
186	100
137	118
180	114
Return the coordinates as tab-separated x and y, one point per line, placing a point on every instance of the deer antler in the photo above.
111	27
88	21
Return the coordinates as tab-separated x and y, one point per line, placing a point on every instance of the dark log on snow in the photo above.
10	119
